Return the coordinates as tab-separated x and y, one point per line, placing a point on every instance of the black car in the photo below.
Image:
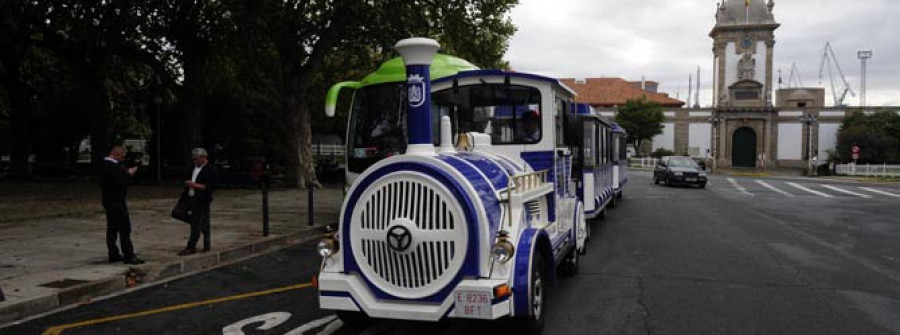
679	170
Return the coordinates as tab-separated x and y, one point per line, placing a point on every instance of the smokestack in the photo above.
690	87
417	55
697	92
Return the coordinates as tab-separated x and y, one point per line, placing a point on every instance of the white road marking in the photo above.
738	186
810	190
880	192
268	320
773	188
312	325
846	191
332	327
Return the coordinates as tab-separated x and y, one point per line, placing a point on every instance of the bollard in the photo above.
264	183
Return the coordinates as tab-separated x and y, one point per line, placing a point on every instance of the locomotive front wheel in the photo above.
534	324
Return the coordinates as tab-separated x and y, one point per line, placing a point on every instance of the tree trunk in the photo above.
20	132
192	105
98	109
293	174
301	165
307	163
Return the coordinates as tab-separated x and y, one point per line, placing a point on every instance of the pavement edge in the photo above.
140	276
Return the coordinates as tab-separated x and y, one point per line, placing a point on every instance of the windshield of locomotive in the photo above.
377	125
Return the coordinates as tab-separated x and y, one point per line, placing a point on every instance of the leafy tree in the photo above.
291	46
877	135
642	119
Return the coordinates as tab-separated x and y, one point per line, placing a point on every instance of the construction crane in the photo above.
794	77
829	59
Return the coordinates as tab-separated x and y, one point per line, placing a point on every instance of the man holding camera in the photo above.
114	177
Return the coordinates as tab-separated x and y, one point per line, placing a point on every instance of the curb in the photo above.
135	276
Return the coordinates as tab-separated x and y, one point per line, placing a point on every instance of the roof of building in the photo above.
611	92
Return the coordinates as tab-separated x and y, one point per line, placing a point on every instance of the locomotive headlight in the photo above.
327	246
502	251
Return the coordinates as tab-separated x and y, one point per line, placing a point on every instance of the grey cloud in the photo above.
666	40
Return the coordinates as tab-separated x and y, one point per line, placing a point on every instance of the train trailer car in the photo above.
620	161
473	228
595	163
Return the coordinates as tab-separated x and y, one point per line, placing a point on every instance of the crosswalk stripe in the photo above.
846	191
804	188
880	192
773	188
738	186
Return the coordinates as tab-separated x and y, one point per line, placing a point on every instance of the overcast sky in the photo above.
665	40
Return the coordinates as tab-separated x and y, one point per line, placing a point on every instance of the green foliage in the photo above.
662	152
246	77
877	135
641	118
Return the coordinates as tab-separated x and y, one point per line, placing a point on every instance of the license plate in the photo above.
473	304
690	179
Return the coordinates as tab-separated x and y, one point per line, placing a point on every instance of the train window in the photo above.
511	114
603	145
590	145
609	151
596	141
615	147
561	111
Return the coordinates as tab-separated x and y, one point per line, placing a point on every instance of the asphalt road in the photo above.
743	256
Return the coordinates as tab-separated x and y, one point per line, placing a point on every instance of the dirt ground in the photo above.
26	200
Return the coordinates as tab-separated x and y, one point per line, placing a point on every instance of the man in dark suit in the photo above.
200	181
114	178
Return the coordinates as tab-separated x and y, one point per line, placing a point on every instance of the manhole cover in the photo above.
63	283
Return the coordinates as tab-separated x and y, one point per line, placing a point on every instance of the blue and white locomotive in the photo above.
477	224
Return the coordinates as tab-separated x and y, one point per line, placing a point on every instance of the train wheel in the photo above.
534	324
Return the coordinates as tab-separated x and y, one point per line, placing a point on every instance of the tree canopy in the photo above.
876	134
642	119
241	78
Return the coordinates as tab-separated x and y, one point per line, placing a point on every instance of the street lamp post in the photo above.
714	120
809	119
158	102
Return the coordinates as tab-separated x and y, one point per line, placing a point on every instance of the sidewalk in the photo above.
59	260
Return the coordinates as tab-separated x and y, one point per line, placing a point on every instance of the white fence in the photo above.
328	150
869	170
642	162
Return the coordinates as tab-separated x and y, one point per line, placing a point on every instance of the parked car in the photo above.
679	170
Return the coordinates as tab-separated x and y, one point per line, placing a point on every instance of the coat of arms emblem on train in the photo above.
416	94
399	238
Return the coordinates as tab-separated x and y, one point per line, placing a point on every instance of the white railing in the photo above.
869	170
642	162
328	149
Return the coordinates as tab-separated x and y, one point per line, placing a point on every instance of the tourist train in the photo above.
468	191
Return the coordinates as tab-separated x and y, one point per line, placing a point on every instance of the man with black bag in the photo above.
114	178
200	181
